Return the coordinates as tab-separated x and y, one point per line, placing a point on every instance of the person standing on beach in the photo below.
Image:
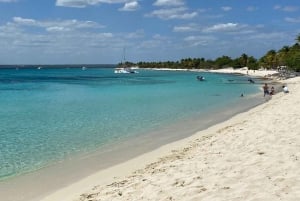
272	91
266	89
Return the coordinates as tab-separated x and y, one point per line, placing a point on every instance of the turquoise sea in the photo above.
49	115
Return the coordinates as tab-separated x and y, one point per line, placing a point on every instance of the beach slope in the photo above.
253	156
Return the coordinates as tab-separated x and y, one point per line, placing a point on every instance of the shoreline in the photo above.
120	170
203	163
67	172
124	170
261	73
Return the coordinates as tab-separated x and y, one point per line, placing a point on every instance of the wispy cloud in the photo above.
286	8
130	6
57	25
173	13
24	21
251	8
186	28
135	35
226	8
199	40
222	27
84	3
292	20
76	3
8	1
16	36
169	3
267	36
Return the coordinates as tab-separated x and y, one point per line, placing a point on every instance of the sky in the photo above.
98	31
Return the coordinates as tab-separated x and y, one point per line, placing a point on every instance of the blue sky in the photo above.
96	31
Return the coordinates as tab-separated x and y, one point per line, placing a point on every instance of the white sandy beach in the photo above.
253	156
245	71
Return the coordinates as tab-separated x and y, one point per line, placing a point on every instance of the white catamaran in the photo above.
124	66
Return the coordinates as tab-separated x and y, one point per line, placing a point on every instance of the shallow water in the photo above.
49	115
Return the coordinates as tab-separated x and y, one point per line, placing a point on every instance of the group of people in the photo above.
267	91
272	91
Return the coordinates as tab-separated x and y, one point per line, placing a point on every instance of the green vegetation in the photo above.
286	56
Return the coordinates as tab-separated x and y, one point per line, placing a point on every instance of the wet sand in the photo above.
252	156
63	179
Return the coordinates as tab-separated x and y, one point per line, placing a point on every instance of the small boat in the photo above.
251	81
125	70
200	78
125	67
83	68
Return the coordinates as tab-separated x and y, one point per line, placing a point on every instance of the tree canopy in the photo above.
288	56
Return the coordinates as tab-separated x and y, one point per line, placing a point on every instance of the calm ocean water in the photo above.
49	115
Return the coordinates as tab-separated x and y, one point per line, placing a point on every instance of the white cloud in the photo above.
24	21
267	36
168	3
222	27
277	7
226	8
186	28
199	40
75	3
290	8
292	20
286	8
62	41
7	1
135	35
173	13
56	25
157	41
57	29
84	3
130	6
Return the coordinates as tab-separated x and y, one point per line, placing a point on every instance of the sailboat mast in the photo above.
124	58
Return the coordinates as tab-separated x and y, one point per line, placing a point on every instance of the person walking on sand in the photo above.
266	89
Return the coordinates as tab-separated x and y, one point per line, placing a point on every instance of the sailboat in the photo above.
124	67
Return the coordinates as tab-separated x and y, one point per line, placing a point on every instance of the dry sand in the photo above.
245	71
253	156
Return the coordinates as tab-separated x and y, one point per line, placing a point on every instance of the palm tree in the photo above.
271	59
298	39
282	55
244	59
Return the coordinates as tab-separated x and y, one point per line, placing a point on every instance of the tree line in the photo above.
287	56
